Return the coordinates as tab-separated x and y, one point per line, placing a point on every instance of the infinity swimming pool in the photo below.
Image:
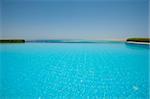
74	71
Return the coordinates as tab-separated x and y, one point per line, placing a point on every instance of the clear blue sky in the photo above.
81	19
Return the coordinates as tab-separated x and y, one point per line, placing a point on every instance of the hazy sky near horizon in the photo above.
70	19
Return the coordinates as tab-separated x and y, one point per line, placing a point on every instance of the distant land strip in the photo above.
138	41
147	40
69	41
128	40
12	41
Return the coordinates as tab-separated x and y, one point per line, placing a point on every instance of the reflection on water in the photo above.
135	46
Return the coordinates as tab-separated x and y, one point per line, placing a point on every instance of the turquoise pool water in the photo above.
74	71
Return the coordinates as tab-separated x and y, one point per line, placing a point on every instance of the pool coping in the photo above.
131	42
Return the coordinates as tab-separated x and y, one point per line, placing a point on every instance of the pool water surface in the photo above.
74	71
